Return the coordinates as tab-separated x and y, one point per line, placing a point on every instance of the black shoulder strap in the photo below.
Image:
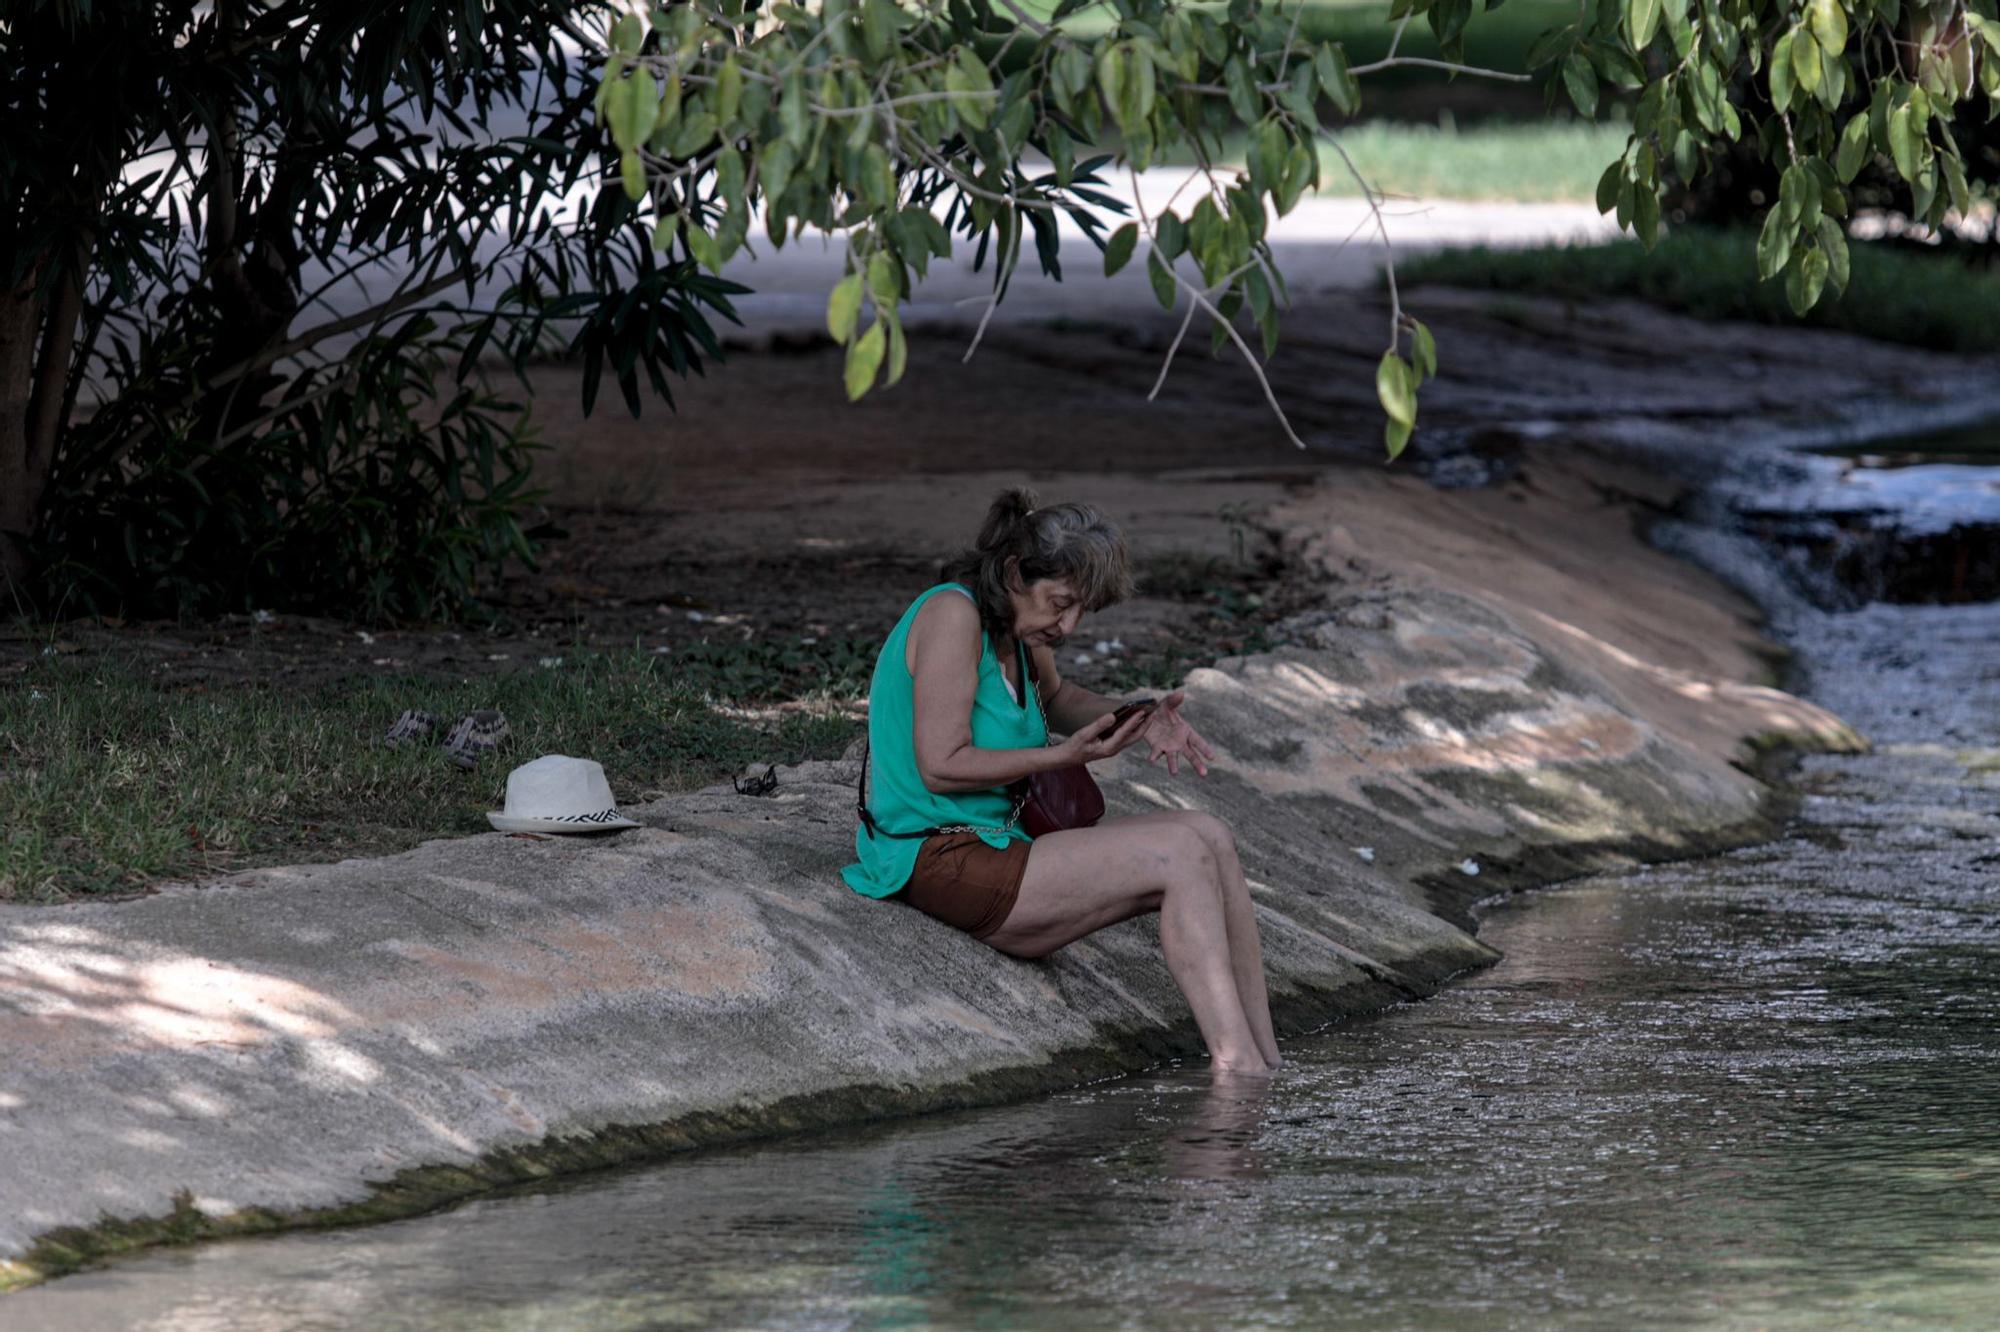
861	805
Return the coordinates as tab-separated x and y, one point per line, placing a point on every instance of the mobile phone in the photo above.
1125	711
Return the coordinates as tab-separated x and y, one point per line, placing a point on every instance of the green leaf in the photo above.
1686	155
774	170
1705	91
864	359
794	115
1793	187
643	107
695	131
1062	154
1853	154
1258	291
728	90
1301	93
617	109
1954	176
729	175
879	27
1581	81
1330	62
729	236
1267	325
1164	288
843	308
1833	240
885	284
664	230
632	174
1812	280
1396	388
970	86
1805	60
878	177
1774	244
1833	79
1646	215
1118	250
1244	99
704	249
1642	18
1120	71
1136	103
1923	190
1829	26
1779	73
1298	171
1545	48
1607	186
899	350
1071	68
1425	352
1170	236
1266	156
1395	434
1903	142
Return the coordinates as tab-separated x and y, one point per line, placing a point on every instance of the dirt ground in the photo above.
767	508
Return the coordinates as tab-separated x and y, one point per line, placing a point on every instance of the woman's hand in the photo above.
1098	741
1173	739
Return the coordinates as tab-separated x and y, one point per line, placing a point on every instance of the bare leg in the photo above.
1246	951
1082	879
1246	947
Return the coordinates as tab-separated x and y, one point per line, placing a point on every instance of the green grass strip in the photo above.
1530	161
1894	295
109	780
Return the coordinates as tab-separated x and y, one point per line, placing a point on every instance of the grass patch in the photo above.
1540	161
1235	605
109	780
1433	135
1496	40
1894	295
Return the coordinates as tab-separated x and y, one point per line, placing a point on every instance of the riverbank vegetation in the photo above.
1894	294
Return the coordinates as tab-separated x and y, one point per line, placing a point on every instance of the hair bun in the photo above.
1009	509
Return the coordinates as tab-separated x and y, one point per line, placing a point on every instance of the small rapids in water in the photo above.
1753	1090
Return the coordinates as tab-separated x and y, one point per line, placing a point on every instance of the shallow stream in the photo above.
1760	1089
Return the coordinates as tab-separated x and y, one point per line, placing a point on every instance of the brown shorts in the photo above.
965	883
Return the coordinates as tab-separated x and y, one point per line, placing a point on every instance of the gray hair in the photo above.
1072	542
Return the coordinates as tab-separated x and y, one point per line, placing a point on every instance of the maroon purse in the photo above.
1059	798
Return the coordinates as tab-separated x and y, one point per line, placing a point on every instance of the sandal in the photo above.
475	733
413	725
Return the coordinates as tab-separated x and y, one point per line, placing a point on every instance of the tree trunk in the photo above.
20	486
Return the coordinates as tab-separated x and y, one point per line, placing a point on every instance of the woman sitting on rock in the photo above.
961	703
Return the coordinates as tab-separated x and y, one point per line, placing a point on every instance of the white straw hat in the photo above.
557	793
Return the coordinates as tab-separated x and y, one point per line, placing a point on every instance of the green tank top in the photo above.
897	797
